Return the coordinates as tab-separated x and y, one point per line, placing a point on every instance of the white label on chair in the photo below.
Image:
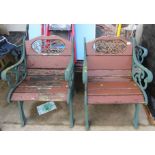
46	107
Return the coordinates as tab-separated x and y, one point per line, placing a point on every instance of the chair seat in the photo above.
41	88
114	93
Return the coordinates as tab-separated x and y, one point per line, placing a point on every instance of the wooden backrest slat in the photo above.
45	72
109	73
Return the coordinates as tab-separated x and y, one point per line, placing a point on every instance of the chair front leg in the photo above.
71	112
136	116
87	126
21	113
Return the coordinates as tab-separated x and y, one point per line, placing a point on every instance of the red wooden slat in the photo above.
110	79
45	81
45	72
109	62
112	85
129	99
115	73
39	97
49	90
48	61
111	92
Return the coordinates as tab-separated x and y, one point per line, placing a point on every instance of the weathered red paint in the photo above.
110	92
112	85
41	88
109	62
39	97
47	72
111	99
109	73
45	62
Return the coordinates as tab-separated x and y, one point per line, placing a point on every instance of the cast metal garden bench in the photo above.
45	72
113	74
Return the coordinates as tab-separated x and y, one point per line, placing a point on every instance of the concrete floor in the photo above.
103	117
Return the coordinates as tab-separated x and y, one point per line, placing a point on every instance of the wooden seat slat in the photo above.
112	85
111	92
124	99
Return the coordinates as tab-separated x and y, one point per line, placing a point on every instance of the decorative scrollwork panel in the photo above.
111	46
140	76
140	54
49	46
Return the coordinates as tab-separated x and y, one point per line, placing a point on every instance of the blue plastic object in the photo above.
81	31
34	30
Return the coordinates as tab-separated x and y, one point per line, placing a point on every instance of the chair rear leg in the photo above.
87	126
71	112
21	113
136	116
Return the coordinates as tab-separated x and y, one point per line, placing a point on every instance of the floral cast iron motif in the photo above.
49	46
111	46
141	75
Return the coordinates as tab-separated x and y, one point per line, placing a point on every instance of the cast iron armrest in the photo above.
69	75
140	74
16	73
69	70
84	72
84	69
141	53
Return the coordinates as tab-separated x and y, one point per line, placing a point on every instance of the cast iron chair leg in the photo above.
136	116
21	113
86	112
71	112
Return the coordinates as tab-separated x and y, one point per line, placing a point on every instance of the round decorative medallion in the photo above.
111	46
49	46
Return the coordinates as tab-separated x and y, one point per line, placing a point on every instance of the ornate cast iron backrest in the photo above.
48	52
48	45
109	46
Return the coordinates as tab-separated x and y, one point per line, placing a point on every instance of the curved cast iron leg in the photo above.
136	116
21	113
86	111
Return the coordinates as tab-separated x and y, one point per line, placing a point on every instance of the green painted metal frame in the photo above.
69	77
19	70
85	82
140	74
